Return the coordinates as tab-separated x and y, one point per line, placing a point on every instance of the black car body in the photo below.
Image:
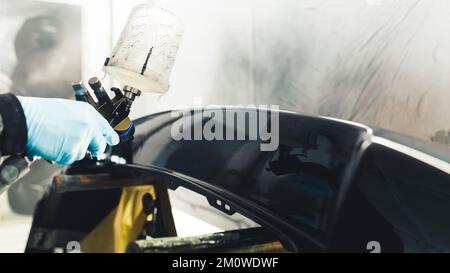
331	186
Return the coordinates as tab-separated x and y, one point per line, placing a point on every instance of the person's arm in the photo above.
55	129
13	127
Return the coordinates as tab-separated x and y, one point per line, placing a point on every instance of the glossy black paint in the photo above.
299	181
398	201
331	186
310	180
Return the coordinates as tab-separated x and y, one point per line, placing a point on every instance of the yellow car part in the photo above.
122	225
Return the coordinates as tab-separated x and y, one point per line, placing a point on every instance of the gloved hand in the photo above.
63	130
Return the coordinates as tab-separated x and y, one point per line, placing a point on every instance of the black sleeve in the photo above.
13	126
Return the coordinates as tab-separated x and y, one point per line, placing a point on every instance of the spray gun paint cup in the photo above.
145	52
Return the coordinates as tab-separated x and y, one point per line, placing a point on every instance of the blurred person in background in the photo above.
48	57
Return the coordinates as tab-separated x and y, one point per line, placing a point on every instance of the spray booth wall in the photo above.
379	62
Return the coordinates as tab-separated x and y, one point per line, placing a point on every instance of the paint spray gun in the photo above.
141	61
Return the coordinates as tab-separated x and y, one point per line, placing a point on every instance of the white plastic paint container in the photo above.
145	52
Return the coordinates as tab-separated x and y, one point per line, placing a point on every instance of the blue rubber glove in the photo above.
63	130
